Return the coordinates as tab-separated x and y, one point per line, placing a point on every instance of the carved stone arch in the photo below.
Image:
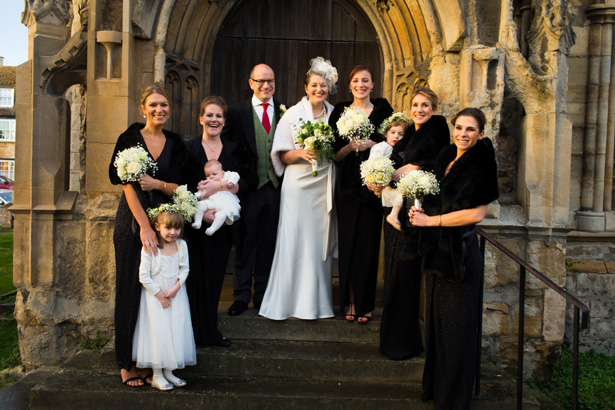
409	32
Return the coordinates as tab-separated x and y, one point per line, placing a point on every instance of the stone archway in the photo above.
190	57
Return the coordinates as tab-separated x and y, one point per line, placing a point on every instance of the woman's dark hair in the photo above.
213	99
475	113
360	67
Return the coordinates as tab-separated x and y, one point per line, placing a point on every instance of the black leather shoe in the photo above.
237	308
224	342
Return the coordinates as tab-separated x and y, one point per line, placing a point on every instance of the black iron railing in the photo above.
579	310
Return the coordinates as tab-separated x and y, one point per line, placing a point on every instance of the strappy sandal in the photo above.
349	316
133	379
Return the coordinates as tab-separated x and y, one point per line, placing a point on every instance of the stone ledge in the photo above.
589	266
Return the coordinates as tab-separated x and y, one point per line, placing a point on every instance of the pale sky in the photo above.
13	34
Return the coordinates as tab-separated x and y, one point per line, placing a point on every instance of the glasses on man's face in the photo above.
260	83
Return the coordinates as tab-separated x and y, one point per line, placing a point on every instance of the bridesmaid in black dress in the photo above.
452	262
400	334
132	229
209	254
359	211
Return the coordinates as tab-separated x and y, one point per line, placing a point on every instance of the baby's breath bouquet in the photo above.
132	163
184	203
317	136
354	124
377	171
418	184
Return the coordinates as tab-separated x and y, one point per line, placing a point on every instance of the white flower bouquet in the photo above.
317	136
354	124
377	171
184	203
417	185
133	163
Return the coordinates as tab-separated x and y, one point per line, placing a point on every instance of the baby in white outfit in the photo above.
225	203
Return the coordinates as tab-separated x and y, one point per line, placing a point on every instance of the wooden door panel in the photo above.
286	35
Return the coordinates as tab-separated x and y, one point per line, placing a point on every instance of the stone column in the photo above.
597	180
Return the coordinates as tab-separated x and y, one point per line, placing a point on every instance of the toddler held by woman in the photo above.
393	130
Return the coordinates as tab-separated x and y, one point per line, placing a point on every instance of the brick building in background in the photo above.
7	120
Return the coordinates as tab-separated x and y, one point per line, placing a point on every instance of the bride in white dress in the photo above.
300	280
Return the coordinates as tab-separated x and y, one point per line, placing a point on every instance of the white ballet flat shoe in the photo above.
178	383
162	386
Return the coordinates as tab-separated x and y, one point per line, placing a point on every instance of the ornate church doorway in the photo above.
286	35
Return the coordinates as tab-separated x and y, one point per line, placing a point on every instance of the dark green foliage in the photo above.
596	381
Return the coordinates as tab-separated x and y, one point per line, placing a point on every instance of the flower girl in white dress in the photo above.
163	339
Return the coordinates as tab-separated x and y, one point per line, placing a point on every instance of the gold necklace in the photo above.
209	146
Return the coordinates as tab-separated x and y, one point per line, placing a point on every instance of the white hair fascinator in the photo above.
323	68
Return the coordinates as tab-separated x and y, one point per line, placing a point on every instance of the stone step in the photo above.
72	390
78	384
250	325
305	360
69	390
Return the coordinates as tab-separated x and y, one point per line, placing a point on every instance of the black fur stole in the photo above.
471	182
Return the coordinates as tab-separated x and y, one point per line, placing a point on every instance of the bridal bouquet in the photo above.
354	124
184	203
377	171
133	163
317	136
418	184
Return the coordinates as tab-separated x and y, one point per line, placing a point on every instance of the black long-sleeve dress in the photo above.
452	262
359	217
400	334
126	233
209	254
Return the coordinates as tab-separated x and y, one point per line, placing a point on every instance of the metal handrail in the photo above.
578	306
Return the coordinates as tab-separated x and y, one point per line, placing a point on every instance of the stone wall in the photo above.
594	283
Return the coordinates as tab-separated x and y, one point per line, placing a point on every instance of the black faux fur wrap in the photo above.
471	182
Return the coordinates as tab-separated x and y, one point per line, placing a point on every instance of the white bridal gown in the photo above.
300	280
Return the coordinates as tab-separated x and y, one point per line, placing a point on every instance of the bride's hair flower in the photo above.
323	68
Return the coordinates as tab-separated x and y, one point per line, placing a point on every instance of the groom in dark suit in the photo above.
252	123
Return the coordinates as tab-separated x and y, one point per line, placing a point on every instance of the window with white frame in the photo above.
7	129
7	168
7	97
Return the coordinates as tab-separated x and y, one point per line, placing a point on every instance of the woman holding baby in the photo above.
209	254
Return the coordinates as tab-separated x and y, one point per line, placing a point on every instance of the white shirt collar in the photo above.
257	103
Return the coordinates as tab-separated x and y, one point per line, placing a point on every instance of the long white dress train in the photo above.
300	280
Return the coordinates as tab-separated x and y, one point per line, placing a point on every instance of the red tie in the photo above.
266	123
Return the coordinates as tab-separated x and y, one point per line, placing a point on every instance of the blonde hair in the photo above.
427	93
155	89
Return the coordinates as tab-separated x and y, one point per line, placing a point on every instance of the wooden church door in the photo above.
286	35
